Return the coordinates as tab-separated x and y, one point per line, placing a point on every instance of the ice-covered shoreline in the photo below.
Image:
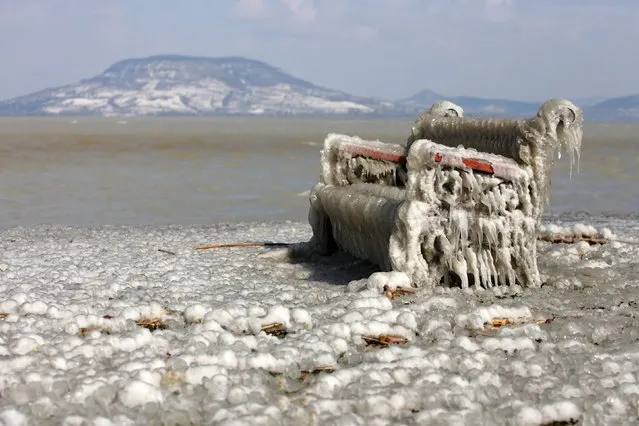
131	325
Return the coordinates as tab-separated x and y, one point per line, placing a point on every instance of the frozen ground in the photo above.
98	326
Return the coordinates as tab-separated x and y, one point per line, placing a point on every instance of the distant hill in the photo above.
596	108
476	106
187	85
589	100
625	108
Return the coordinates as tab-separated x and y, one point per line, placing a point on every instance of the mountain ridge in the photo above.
174	84
188	85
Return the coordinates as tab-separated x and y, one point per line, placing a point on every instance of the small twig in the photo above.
384	340
151	323
276	329
571	239
251	244
172	253
392	294
102	329
500	322
304	374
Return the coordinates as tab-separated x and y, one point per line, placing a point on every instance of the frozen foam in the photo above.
121	341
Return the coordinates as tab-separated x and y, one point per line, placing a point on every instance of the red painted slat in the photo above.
482	166
373	153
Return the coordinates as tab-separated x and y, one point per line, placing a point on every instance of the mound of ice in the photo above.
99	327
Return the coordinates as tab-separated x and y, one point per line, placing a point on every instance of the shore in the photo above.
131	325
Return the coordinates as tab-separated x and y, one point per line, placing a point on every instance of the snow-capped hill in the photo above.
185	85
477	106
234	72
625	108
188	85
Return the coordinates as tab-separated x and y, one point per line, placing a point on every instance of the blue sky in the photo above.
519	49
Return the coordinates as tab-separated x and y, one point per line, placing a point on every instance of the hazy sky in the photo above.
521	49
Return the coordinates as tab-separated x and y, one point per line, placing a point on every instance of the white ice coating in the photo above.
480	227
72	351
438	109
434	211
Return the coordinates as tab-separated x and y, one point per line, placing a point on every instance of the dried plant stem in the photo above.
571	239
249	244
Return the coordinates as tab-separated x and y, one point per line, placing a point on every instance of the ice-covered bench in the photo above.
459	205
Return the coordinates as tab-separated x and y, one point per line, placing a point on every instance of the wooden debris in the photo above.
151	323
384	340
102	329
3	315
148	323
249	244
172	378
276	329
545	320
172	253
316	370
399	291
575	238
572	238
500	322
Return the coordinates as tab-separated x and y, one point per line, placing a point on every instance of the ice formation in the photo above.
99	327
459	205
439	109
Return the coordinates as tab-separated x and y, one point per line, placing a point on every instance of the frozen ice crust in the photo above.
97	326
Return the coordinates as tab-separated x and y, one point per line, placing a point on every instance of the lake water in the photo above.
156	171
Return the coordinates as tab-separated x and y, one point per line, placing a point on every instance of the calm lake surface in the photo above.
156	171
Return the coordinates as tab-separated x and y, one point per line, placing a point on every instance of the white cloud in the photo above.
250	9
303	11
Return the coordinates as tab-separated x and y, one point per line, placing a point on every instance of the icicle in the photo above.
485	269
459	266
506	272
471	260
459	228
500	203
493	270
490	233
